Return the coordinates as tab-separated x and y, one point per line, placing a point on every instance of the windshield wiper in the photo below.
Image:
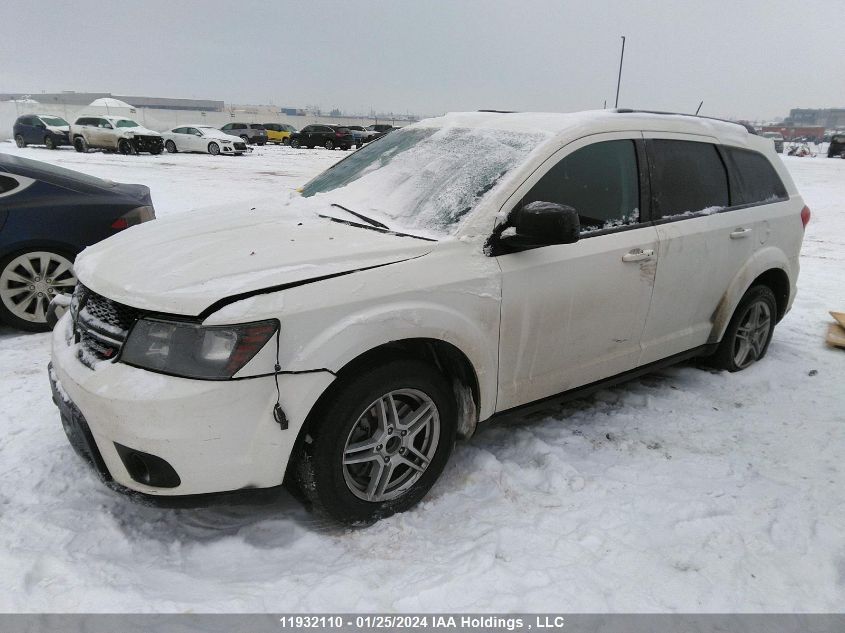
361	216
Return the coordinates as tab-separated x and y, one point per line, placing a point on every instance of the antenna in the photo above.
699	107
619	79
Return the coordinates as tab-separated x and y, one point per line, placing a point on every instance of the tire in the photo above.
260	144
294	143
246	139
19	141
124	147
359	145
49	143
24	288
383	482
213	148
749	333
80	144
310	146
285	141
170	146
328	144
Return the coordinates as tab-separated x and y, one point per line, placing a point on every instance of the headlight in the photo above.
192	350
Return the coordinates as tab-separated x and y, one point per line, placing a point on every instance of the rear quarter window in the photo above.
758	180
687	177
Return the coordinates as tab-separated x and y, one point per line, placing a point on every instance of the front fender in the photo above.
765	259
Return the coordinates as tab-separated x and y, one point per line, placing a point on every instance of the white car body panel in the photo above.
531	324
194	143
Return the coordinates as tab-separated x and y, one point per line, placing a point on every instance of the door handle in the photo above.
638	255
740	233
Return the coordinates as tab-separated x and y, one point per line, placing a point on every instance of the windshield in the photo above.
424	178
126	123
54	120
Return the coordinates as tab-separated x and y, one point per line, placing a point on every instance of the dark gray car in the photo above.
253	133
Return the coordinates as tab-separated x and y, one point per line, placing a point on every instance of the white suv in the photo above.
114	133
459	268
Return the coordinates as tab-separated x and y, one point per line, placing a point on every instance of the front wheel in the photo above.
124	147
170	146
750	331
213	149
378	443
28	282
19	141
49	143
80	144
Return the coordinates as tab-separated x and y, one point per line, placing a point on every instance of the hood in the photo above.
222	136
184	264
58	129
142	131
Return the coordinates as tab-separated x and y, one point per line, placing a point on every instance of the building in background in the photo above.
829	118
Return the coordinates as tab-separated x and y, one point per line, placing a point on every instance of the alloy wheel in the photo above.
391	445
752	334
30	281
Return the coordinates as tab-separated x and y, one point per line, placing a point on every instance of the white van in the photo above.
454	270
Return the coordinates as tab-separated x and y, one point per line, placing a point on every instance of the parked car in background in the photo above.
114	133
204	139
836	149
360	134
41	129
379	129
431	281
279	133
47	216
253	133
777	138
329	136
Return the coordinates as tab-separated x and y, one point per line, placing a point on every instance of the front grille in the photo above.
241	146
100	325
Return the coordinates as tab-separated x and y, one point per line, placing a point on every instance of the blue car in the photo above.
47	216
41	129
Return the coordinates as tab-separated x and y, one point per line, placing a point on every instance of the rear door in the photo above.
703	241
573	314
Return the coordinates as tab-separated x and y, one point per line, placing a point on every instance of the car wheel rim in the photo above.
391	445
19	141
30	281
48	142
170	147
329	145
752	334
214	149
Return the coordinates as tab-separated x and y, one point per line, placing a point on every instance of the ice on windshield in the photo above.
424	177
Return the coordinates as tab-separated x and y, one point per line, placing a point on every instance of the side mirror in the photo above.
541	224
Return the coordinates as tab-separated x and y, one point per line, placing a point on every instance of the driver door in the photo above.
573	314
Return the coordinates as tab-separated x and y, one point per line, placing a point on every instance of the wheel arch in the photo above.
769	267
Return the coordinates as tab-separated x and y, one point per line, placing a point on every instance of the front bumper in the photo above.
217	436
143	143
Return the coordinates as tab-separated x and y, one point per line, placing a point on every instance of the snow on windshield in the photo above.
424	178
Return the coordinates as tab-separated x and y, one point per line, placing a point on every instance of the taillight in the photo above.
805	216
133	217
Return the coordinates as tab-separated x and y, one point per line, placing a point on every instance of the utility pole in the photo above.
619	79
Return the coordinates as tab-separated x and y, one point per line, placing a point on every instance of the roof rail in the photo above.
748	128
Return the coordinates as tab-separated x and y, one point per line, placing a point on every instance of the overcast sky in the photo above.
749	59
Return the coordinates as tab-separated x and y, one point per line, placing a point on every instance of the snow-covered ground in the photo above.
686	490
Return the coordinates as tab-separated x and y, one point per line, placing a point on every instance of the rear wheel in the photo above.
28	282
80	144
750	331
378	443
19	141
49	143
213	149
170	146
286	141
328	144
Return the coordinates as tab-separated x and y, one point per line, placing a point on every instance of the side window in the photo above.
600	181
687	177
759	182
7	183
307	128
192	130
226	127
104	124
